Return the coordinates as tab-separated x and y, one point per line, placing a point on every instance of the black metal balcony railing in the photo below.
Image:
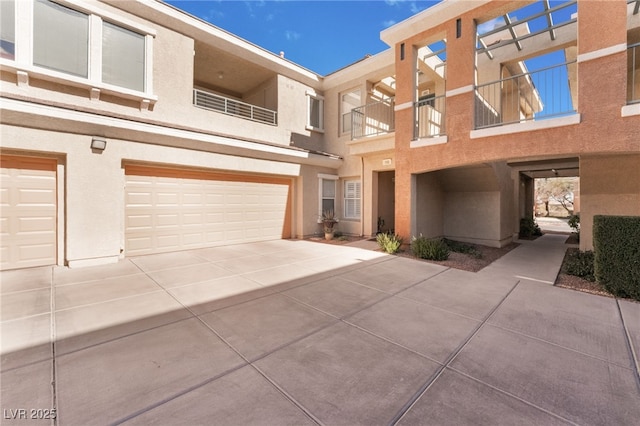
430	117
633	69
213	102
536	95
373	119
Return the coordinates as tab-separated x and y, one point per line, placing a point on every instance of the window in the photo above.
316	112
122	57
349	101
88	47
328	194
60	38
8	29
352	199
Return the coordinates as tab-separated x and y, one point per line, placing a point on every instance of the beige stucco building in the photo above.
131	128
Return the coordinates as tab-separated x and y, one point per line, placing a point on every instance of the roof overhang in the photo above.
171	17
427	19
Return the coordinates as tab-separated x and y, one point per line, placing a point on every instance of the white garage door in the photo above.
28	219
169	210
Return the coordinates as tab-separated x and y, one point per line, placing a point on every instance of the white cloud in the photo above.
388	23
213	15
292	35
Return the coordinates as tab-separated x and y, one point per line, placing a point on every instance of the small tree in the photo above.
557	189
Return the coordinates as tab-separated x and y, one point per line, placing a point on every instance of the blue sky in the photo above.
322	36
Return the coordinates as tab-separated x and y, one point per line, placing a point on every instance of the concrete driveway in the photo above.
296	332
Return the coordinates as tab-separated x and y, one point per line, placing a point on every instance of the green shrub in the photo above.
580	264
465	248
574	223
616	241
529	228
430	249
388	242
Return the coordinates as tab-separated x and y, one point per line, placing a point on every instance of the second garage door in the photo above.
169	210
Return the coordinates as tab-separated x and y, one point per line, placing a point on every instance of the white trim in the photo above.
459	90
134	126
427	19
96	17
83	263
438	140
630	110
328	177
400	107
527	126
313	94
322	177
91	8
596	54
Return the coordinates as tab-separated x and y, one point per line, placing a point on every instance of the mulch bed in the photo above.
580	284
344	239
467	262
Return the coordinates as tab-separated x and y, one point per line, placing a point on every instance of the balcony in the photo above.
376	118
233	107
430	117
528	96
633	73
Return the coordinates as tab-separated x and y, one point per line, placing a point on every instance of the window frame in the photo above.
321	179
23	62
347	199
313	96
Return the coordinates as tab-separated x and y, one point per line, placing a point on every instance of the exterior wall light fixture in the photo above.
98	144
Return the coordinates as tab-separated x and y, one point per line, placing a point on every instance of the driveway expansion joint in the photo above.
443	366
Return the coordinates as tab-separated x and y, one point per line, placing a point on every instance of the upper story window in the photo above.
60	38
79	44
7	29
121	46
315	109
348	101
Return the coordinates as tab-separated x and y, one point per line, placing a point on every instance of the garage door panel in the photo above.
28	194
41	225
170	210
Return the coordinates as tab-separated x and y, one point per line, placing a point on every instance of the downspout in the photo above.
362	196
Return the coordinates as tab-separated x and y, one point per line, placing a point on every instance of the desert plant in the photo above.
464	248
430	249
328	220
388	242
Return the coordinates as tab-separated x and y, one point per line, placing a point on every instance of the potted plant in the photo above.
328	222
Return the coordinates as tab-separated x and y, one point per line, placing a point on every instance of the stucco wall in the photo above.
93	189
472	217
429	205
609	185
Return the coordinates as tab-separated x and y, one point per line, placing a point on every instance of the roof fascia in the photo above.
359	69
191	26
428	18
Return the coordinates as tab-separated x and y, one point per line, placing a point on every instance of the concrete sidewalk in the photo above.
295	332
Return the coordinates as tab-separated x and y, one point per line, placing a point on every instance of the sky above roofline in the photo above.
322	36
